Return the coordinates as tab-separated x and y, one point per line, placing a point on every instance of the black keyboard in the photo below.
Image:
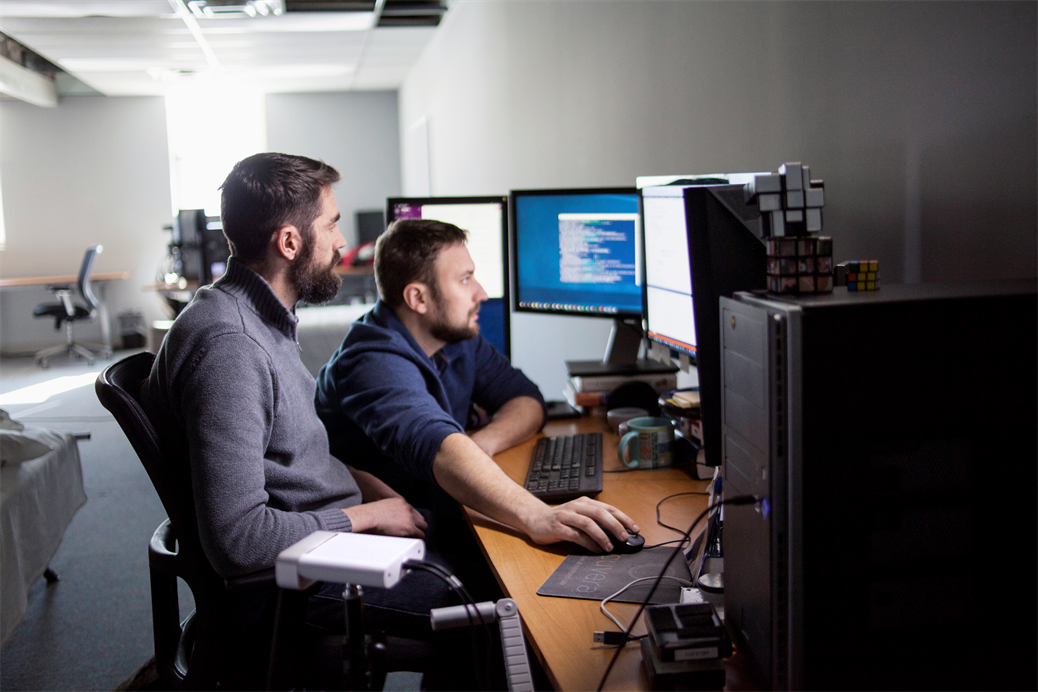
566	467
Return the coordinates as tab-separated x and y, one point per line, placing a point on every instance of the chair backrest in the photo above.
83	282
118	388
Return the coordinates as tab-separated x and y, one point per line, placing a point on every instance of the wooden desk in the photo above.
20	281
560	629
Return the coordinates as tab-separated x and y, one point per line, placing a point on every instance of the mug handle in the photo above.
622	448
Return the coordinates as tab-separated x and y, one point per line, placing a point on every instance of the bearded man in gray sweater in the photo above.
228	385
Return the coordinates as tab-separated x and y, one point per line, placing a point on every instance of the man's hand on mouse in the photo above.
575	520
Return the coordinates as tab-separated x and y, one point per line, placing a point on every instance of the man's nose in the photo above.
481	295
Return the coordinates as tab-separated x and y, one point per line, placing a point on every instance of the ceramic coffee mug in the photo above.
652	439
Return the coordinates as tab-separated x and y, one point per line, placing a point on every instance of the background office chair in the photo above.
193	654
68	314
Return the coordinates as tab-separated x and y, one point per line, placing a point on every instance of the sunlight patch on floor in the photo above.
38	393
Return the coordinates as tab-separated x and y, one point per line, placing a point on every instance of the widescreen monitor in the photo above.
578	252
701	243
486	220
668	310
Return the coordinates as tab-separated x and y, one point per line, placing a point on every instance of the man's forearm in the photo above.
371	487
472	478
475	480
513	423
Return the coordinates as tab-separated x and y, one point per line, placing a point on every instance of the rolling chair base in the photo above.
74	351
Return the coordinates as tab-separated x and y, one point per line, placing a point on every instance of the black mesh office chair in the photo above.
195	653
67	313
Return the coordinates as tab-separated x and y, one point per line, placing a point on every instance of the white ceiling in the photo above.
147	47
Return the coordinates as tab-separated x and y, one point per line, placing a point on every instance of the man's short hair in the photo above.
406	252
264	192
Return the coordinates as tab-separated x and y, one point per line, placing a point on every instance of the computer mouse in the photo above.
633	543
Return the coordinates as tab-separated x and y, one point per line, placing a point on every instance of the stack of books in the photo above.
589	391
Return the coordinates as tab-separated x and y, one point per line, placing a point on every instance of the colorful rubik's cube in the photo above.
800	265
799	261
861	275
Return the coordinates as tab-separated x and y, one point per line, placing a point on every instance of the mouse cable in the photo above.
668	497
463	595
737	500
602	605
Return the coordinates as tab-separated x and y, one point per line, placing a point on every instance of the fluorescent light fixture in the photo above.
293	22
213	9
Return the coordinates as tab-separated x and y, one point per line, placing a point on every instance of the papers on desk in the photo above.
594	577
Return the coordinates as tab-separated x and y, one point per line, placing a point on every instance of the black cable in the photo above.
463	595
668	497
737	500
660	545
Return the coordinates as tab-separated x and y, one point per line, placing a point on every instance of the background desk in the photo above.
560	629
97	279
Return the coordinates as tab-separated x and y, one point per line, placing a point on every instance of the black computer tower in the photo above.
891	438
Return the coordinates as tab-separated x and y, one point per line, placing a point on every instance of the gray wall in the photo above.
920	117
92	170
356	132
96	170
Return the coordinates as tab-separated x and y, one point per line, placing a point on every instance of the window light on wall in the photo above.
210	127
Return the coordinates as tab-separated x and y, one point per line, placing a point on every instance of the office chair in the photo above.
193	654
68	314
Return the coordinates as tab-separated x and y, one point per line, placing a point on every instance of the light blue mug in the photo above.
655	443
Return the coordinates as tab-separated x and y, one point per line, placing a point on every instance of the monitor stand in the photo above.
621	356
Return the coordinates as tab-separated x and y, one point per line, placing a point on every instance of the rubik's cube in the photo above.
800	265
799	261
861	275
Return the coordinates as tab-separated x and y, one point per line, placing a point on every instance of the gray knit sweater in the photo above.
229	376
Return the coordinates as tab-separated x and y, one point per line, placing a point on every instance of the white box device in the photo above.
346	558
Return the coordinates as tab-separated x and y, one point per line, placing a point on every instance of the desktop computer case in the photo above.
891	439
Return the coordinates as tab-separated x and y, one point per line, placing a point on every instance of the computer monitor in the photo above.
668	310
577	252
486	220
370	225
215	250
701	243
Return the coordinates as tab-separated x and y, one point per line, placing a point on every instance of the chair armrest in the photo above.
253	580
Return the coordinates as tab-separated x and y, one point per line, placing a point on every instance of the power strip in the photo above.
346	558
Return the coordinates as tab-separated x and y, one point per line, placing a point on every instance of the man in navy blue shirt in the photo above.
395	397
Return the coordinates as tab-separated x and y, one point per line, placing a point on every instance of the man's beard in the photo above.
314	283
449	333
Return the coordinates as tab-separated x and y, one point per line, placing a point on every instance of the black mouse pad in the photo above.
595	577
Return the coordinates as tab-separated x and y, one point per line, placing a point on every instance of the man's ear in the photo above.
288	242
416	297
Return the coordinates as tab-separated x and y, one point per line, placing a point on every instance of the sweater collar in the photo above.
253	289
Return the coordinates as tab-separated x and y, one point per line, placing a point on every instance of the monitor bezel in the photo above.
513	231
505	201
